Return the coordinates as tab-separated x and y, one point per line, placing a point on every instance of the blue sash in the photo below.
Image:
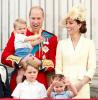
36	47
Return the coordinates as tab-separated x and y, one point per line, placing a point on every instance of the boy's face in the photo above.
31	73
21	29
59	87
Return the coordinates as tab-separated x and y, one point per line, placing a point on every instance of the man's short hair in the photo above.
36	7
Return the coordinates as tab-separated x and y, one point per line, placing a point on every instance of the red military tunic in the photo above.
50	54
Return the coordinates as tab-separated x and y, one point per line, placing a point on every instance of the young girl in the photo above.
61	88
30	88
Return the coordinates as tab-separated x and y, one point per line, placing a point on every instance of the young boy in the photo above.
61	88
24	44
30	88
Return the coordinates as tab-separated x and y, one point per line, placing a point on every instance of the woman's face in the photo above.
31	73
72	26
36	19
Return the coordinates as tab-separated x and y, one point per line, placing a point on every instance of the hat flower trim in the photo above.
77	13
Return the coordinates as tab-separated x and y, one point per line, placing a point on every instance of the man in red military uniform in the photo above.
45	50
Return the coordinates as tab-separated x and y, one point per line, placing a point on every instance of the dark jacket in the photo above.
4	87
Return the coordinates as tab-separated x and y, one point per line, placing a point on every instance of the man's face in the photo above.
36	19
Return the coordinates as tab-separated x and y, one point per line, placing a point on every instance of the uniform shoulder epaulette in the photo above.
49	32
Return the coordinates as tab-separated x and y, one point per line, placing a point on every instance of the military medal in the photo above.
46	41
45	49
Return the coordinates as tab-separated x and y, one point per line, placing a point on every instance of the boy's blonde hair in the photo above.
30	61
18	22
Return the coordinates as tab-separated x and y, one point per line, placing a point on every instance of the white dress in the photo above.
76	63
29	90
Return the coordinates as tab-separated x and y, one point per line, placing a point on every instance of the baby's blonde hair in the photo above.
18	22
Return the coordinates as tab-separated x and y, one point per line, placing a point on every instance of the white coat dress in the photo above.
76	63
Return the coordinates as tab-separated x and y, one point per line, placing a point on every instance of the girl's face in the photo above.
31	73
72	27
59	87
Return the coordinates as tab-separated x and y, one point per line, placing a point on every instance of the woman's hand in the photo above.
82	82
79	85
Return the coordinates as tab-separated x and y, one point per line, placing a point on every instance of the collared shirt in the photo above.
29	90
62	95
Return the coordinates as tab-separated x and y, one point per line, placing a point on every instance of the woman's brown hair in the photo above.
83	28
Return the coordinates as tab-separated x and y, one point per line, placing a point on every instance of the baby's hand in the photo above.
41	38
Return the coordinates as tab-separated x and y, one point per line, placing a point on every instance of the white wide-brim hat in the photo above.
75	13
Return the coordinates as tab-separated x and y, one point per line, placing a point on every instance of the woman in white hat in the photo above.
76	57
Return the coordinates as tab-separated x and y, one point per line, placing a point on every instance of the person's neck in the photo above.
35	31
75	37
59	92
30	81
